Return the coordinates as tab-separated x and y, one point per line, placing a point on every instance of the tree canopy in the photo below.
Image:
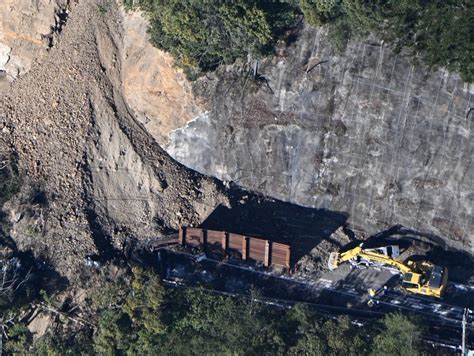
439	32
195	321
203	34
137	315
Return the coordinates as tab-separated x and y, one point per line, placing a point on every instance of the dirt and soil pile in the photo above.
104	179
95	178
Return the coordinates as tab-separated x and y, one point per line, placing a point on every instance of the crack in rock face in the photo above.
60	20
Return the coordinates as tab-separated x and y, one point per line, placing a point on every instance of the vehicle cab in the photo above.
432	283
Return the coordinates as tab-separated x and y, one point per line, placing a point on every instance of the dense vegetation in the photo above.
195	322
141	317
441	32
203	34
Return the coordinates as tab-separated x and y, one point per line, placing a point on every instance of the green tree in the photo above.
202	35
343	338
216	324
77	343
114	333
319	12
318	336
306	325
399	336
144	302
146	319
439	32
130	316
18	340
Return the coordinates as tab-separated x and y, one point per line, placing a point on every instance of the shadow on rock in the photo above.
430	247
254	215
28	278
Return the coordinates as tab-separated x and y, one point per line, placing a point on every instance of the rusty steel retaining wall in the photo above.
234	245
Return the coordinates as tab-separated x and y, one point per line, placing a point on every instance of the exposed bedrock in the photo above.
366	132
27	29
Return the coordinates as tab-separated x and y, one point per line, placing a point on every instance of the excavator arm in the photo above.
336	258
372	256
418	277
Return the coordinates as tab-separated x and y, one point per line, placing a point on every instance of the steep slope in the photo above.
365	132
27	28
157	92
104	178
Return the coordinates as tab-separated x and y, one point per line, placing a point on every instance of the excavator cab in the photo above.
430	281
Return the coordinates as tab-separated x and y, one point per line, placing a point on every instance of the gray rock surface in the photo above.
366	132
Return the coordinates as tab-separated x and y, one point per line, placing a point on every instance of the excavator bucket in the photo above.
333	262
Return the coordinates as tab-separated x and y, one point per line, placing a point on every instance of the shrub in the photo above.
439	32
204	34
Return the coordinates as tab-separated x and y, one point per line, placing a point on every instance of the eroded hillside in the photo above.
102	177
90	201
365	133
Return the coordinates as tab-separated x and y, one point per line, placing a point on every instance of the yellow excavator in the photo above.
421	277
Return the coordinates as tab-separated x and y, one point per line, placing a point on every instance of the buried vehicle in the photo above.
420	277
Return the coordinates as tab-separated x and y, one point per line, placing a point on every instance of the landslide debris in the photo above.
104	178
95	180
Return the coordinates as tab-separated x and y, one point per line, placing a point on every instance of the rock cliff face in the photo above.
26	30
366	132
159	95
